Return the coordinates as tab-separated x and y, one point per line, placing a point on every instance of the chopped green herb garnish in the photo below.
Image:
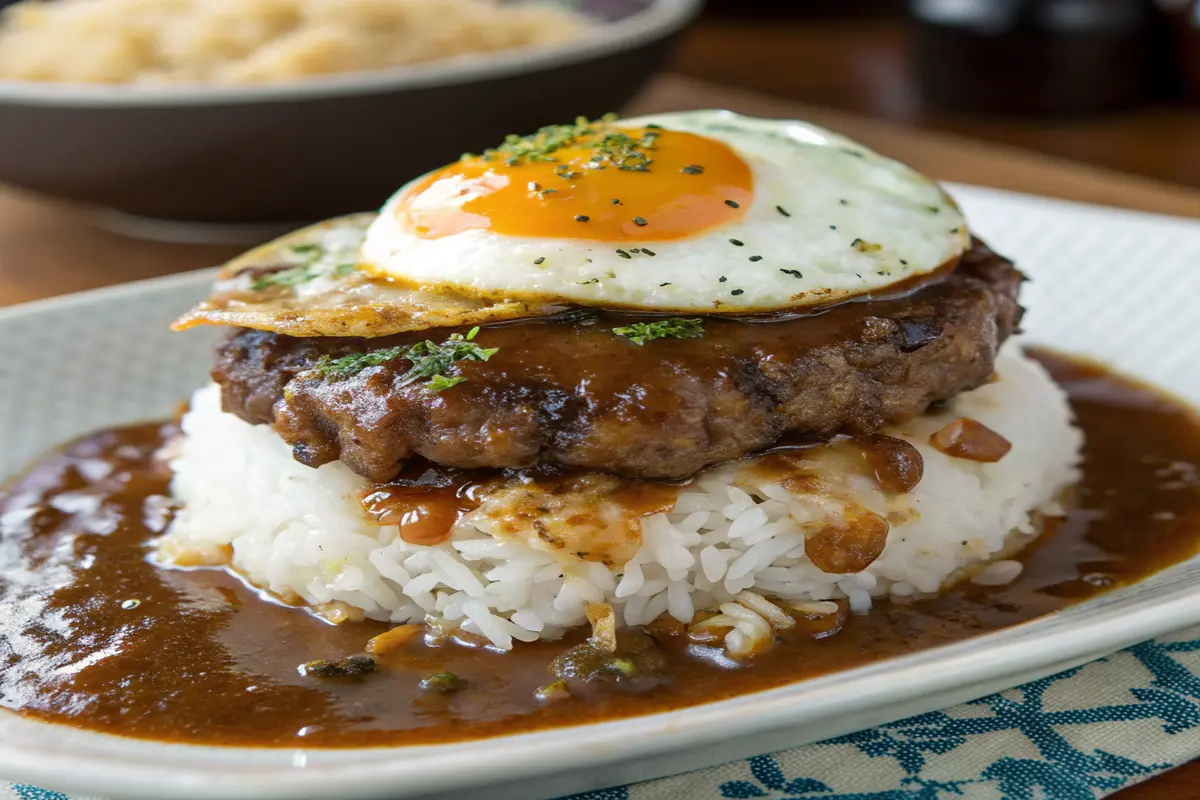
439	383
782	211
430	360
622	667
582	217
639	221
349	667
540	260
641	332
445	682
795	273
693	169
756	258
310	255
733	204
650	253
285	277
553	691
610	147
737	242
623	254
737	292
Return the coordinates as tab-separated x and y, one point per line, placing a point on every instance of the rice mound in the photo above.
735	536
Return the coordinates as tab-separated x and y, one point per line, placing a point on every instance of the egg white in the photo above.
852	222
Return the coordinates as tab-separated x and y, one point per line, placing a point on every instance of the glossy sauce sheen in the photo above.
91	634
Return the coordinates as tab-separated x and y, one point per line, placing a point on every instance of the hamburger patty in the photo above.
569	392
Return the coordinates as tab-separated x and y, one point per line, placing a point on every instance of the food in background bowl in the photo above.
153	42
224	156
617	417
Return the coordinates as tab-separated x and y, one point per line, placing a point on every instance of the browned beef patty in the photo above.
569	392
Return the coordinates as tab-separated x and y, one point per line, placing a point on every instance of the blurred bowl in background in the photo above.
289	153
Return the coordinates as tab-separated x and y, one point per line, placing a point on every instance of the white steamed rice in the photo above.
733	535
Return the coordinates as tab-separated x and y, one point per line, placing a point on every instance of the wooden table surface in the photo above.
46	250
862	65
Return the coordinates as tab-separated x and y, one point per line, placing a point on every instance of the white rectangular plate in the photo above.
1113	285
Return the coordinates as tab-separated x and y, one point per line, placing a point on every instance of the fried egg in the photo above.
703	211
308	283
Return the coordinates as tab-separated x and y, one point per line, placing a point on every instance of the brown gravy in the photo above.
93	635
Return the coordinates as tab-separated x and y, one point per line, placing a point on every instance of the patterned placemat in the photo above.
1078	735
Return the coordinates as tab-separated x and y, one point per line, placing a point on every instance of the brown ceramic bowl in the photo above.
315	148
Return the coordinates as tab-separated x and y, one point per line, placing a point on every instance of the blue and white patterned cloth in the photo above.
1078	735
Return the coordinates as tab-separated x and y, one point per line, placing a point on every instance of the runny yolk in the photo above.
650	185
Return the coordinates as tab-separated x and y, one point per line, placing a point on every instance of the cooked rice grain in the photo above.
735	529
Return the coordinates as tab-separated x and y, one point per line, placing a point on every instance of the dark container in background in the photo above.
1187	38
1042	57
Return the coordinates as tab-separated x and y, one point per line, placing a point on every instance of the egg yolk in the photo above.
587	181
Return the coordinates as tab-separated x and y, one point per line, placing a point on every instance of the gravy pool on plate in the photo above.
97	636
614	418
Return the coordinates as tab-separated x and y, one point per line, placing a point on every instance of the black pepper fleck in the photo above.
833	227
639	221
539	260
722	279
756	258
693	169
582	217
616	201
736	292
737	242
844	202
668	283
